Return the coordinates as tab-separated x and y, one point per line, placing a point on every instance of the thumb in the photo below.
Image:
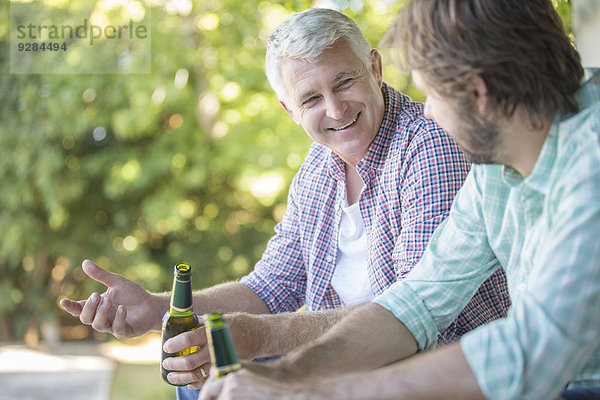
99	274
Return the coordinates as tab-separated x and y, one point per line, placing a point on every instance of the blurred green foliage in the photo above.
137	172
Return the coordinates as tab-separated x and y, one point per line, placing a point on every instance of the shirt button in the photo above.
329	259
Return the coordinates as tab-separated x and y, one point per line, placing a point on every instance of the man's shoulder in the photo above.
582	130
579	141
317	154
400	108
315	164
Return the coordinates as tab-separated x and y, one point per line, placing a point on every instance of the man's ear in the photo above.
377	66
291	114
479	92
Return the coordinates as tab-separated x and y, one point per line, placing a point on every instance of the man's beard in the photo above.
481	139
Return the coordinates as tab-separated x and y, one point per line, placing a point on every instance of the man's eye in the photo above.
345	83
309	101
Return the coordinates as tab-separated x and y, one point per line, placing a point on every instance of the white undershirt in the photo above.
350	278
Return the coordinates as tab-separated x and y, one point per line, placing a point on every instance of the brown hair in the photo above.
518	47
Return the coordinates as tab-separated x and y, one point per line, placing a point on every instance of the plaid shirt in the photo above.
411	172
544	231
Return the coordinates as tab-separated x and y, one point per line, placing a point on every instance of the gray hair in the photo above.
305	35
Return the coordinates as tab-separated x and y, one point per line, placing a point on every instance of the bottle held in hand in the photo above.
180	317
222	351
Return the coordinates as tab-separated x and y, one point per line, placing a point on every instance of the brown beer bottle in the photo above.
220	345
180	317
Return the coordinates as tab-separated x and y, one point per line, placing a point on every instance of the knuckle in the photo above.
206	365
106	302
196	376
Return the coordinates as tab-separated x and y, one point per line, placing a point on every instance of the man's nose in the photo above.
335	107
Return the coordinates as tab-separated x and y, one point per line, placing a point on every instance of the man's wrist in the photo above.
161	304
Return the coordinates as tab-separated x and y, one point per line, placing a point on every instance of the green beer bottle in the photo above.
222	351
180	318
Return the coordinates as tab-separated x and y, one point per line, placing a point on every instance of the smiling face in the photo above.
336	99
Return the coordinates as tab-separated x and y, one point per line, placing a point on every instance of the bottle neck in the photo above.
181	296
221	347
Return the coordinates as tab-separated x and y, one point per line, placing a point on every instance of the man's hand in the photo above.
191	369
245	384
125	310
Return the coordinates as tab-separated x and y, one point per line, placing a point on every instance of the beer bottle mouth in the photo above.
183	271
183	267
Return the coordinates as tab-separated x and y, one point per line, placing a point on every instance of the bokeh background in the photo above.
138	172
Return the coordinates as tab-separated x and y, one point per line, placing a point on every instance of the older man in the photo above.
377	181
504	80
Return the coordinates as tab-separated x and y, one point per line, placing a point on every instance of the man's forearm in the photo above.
226	297
440	374
367	338
281	333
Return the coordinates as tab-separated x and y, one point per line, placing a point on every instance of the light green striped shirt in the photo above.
544	231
